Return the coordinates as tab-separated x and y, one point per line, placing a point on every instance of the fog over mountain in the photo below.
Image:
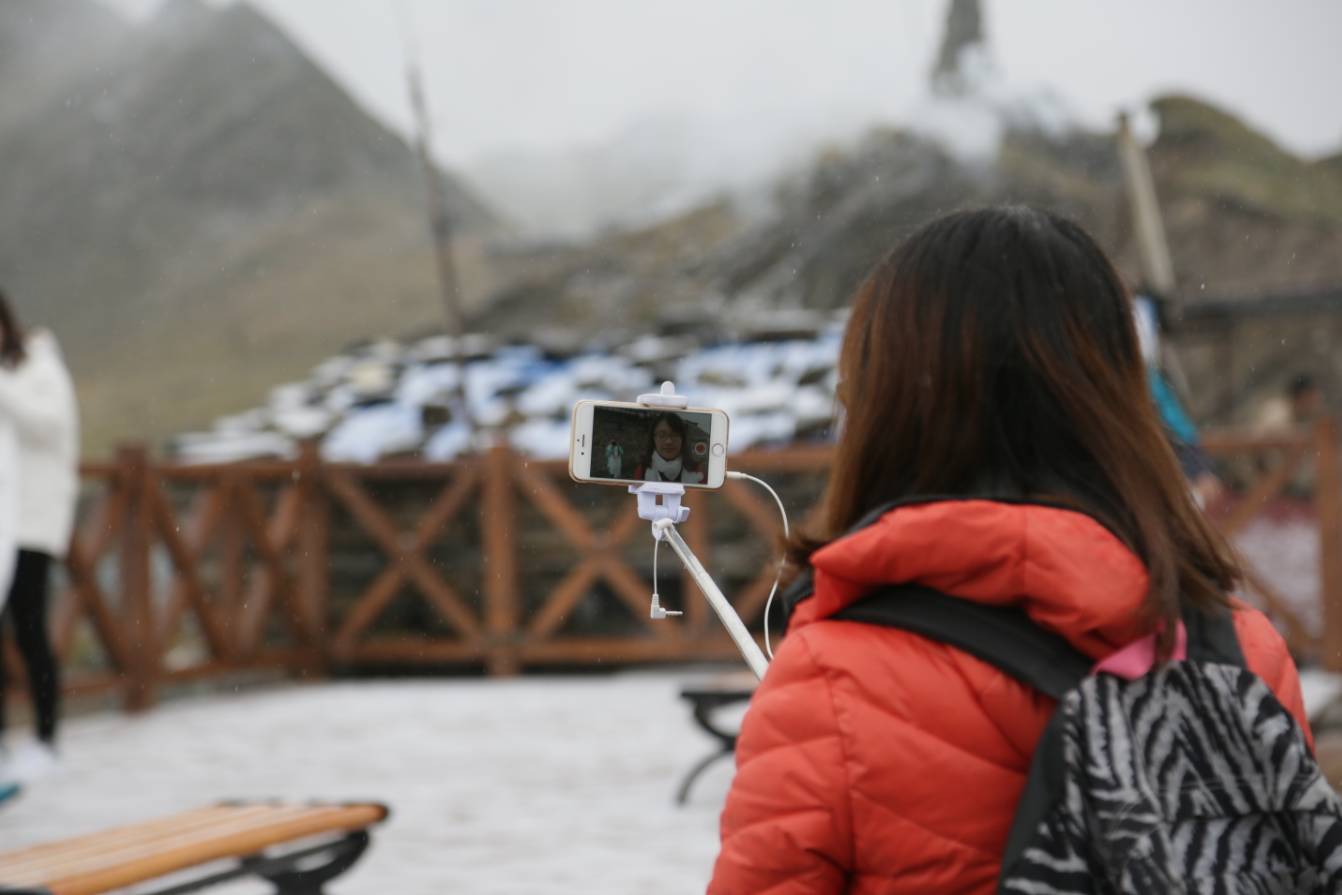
741	90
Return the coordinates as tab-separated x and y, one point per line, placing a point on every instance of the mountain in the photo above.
1246	217
30	30
1243	217
198	210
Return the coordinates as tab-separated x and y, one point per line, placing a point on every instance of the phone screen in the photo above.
650	444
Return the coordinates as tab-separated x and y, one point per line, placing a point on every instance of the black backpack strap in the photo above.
1002	636
798	589
1212	637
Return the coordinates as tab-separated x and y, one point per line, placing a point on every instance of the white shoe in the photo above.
32	760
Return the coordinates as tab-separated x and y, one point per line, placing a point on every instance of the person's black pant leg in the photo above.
27	609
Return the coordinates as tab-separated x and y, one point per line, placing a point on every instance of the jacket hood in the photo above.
1067	571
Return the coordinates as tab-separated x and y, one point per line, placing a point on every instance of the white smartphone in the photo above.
614	443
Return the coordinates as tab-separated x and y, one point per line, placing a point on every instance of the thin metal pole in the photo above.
750	650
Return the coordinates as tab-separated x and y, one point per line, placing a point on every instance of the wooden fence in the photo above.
179	573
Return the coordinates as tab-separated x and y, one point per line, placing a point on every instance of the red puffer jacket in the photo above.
874	761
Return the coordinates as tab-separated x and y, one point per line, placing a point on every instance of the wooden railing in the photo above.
1315	448
496	561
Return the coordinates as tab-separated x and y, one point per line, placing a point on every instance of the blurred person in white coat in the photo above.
37	401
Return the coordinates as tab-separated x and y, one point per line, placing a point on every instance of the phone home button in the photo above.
719	449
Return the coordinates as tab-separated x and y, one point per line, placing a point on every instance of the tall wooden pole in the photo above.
1152	246
440	226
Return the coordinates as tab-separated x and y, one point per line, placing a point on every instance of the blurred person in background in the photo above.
1000	446
9	484
614	459
1179	427
1298	405
37	400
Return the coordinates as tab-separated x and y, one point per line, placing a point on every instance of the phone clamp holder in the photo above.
660	500
659	503
664	397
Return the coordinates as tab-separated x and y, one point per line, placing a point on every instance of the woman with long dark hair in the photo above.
998	445
37	400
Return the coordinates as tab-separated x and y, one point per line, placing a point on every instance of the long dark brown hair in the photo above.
12	351
994	352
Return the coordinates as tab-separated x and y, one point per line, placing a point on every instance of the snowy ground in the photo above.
555	785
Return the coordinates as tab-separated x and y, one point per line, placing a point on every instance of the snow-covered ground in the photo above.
555	785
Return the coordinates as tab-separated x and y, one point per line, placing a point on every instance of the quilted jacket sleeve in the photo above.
1267	656
787	825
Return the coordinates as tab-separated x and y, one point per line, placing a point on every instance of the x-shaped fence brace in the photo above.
84	596
1244	511
233	623
1291	451
598	559
405	555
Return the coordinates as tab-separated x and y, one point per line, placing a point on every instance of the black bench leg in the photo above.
341	856
683	794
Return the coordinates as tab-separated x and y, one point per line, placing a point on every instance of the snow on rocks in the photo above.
775	378
226	447
373	432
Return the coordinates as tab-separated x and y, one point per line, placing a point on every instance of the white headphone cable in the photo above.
768	647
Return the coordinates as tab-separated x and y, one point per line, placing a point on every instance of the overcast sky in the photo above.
549	74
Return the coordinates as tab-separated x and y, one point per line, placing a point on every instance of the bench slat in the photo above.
128	843
104	861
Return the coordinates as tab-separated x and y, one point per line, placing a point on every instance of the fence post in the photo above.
137	599
314	554
1328	495
497	525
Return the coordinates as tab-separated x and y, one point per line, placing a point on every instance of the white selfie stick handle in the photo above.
665	530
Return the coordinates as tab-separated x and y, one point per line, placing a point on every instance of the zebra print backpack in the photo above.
1189	777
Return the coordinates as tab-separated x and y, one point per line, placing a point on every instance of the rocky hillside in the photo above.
197	208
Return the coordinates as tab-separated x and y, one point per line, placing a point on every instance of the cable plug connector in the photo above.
657	612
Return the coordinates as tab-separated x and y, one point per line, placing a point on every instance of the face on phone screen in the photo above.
629	443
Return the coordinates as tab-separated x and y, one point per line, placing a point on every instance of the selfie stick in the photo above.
659	503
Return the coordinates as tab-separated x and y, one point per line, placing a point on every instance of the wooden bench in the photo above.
705	700
275	841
